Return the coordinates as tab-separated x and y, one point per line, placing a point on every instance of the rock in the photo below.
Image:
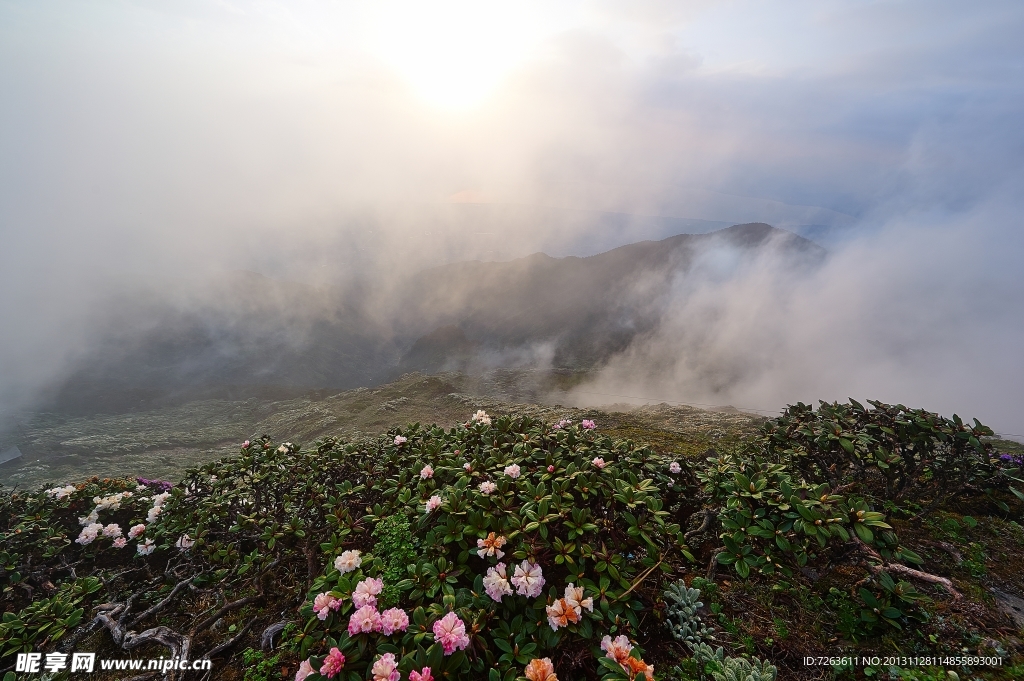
1011	605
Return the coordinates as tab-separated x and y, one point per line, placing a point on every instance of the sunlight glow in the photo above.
455	52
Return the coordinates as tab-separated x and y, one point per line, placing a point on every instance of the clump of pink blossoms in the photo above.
366	592
392	620
399	440
512	471
450	632
598	462
588	424
324	603
423	675
433	503
364	620
332	663
487	487
674	467
427	472
385	668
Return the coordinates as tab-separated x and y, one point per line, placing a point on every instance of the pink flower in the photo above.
305	669
540	670
674	467
450	631
491	546
136	530
366	592
245	445
468	466
588	424
423	675
364	620
528	579
617	649
599	462
433	503
512	471
146	548
551	469
560	614
399	440
333	663
120	543
392	620
385	668
496	583
323	603
427	472
184	542
481	417
487	487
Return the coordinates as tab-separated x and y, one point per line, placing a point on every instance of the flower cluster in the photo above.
587	424
158	506
324	603
528	579
427	472
481	417
541	670
512	471
619	649
162	485
450	632
366	592
348	561
332	664
491	546
184	542
59	493
385	668
598	462
674	468
486	487
400	440
433	503
570	608
146	548
496	583
564	423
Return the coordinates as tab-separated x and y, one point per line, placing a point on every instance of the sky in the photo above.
321	141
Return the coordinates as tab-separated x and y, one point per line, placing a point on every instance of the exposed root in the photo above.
267	639
899	569
948	548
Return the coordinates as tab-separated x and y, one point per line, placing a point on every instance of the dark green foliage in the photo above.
395	547
891	452
259	667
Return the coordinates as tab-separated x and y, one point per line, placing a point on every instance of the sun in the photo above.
454	53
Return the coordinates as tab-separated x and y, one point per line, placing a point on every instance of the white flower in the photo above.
120	543
400	440
468	466
674	467
496	583
147	548
347	561
574	597
89	533
153	514
512	471
487	487
184	542
481	417
528	579
61	492
159	499
113	530
89	519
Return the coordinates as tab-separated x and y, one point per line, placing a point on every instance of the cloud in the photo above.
140	141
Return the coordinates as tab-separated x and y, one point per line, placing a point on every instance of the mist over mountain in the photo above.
244	334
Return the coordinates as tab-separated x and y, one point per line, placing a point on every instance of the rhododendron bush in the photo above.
520	547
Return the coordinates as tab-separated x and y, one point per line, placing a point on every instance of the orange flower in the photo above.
491	546
558	614
637	666
541	670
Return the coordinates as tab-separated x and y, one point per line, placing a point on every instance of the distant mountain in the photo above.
251	335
